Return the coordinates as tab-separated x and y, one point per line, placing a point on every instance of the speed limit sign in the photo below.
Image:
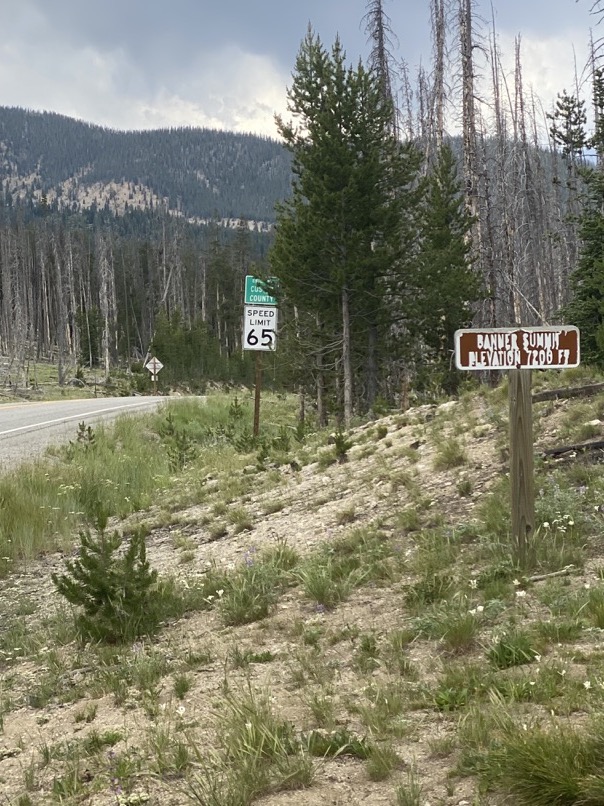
260	327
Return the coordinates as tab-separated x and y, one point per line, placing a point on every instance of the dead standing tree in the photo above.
474	169
107	303
439	95
379	31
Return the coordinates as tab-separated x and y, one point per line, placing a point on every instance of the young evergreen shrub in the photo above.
113	588
341	445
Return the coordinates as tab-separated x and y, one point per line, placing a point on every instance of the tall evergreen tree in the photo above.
568	125
445	284
341	234
586	306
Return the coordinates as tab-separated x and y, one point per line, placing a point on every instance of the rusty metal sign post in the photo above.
519	350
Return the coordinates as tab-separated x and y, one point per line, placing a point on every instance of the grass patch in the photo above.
514	648
258	754
410	793
326	582
250	593
338	743
450	454
540	766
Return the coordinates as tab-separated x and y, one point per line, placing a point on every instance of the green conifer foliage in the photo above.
113	588
444	282
586	307
343	234
568	125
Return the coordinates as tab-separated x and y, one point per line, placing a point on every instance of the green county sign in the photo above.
255	293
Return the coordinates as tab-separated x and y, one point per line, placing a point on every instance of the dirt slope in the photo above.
72	733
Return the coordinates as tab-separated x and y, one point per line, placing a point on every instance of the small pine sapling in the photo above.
341	445
112	588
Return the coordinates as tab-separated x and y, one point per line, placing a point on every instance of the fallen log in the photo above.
579	447
572	391
563	573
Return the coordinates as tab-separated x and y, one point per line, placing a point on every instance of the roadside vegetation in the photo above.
112	473
335	612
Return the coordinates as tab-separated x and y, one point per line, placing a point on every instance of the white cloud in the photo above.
549	65
226	88
104	65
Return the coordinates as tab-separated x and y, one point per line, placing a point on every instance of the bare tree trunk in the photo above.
487	256
61	323
439	32
407	124
560	243
346	359
204	315
218	320
44	303
106	303
471	174
534	223
505	193
321	408
73	335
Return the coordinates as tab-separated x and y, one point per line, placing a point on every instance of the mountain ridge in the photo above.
200	174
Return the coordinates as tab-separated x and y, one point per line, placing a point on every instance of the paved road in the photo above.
27	429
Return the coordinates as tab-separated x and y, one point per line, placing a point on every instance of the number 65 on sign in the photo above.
260	327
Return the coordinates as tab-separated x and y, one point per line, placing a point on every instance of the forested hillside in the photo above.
115	243
196	173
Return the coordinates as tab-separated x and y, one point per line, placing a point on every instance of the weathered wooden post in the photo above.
257	394
521	465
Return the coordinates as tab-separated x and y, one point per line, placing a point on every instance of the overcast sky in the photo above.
135	64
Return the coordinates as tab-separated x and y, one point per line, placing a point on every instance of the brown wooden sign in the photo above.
517	348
